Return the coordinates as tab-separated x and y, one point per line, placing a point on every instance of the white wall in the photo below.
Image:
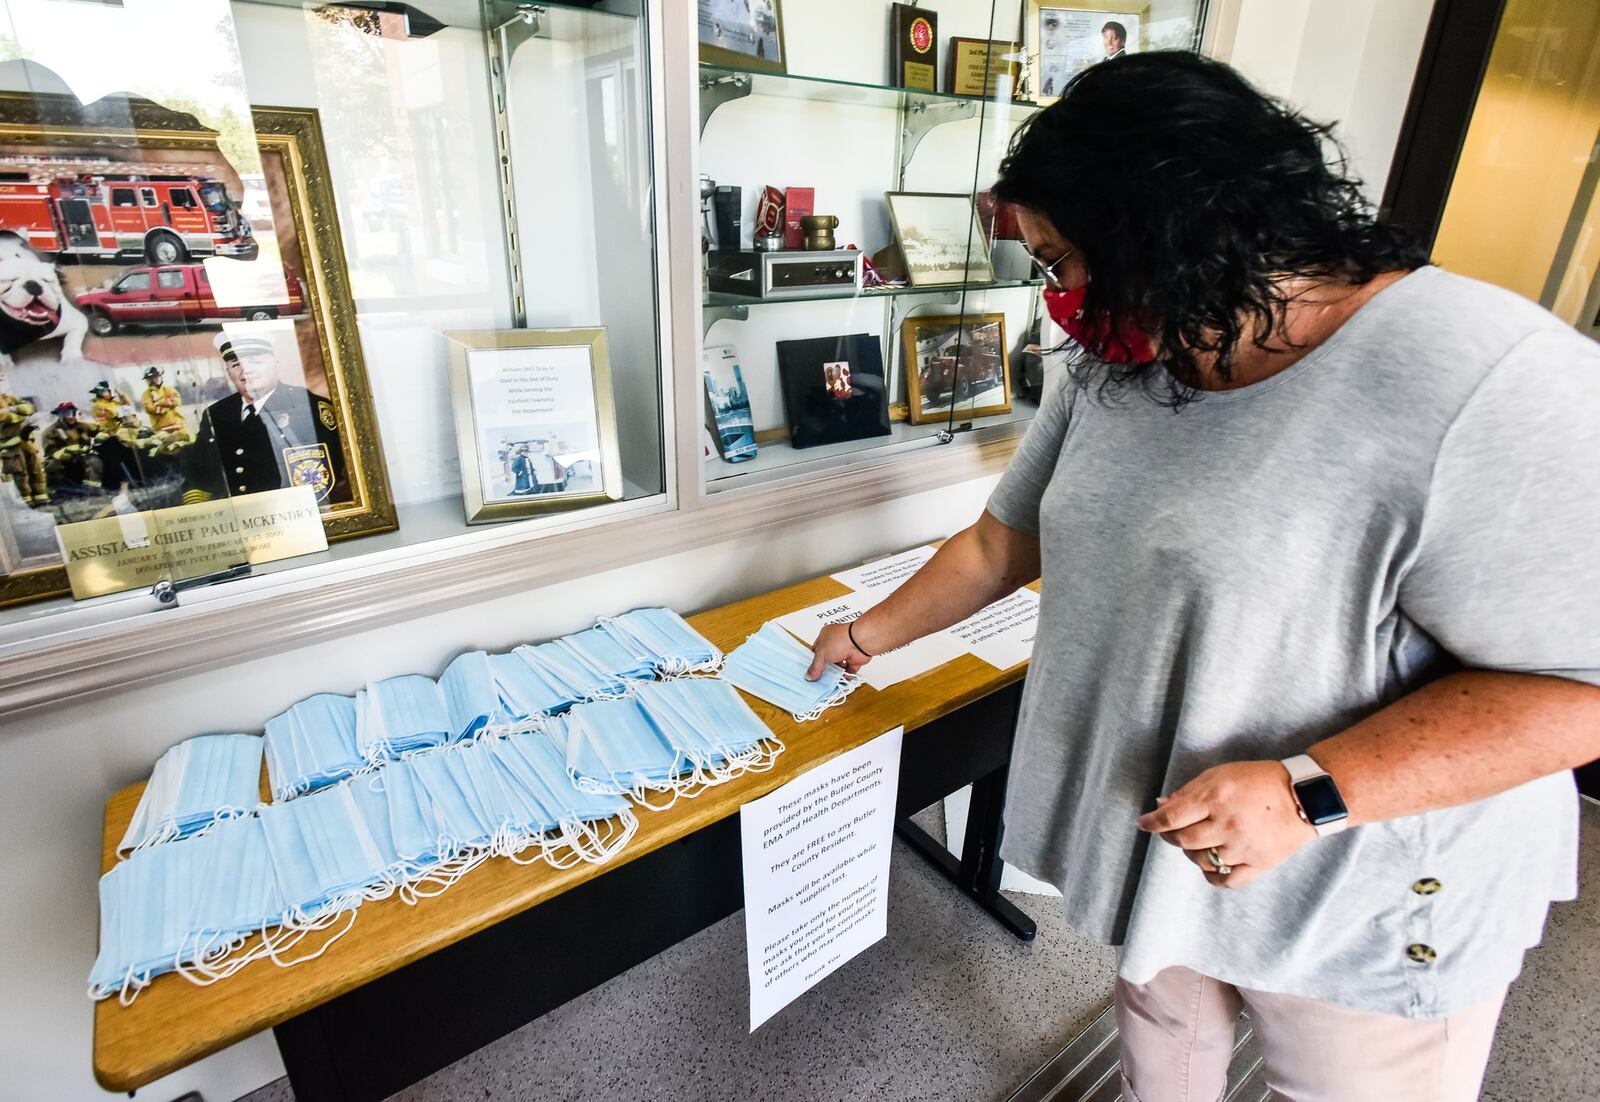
1350	62
57	768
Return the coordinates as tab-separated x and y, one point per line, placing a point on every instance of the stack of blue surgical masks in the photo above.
772	665
571	671
412	827
664	639
195	784
677	737
311	745
471	700
525	694
399	715
186	905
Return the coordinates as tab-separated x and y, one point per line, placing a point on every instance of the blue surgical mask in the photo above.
575	676
665	639
612	746
605	651
312	745
471	700
194	784
524	692
452	808
708	722
325	860
772	665
399	715
187	906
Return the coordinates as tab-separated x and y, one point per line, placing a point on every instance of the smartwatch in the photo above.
1317	797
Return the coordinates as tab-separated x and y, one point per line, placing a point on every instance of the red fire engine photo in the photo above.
104	214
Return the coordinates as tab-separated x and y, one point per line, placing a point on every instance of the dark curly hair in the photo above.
1190	195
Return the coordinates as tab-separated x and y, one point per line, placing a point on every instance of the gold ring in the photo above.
1216	862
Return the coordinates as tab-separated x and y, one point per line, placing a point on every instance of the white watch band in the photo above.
1303	767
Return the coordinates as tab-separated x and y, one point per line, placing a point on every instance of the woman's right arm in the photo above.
975	567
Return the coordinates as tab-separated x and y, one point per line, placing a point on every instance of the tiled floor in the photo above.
947	1007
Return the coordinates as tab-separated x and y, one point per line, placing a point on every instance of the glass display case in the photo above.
348	307
294	283
917	322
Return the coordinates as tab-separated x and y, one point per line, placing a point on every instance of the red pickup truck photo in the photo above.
175	294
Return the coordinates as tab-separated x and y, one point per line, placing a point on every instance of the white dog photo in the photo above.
33	306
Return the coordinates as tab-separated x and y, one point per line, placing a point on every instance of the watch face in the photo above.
1320	799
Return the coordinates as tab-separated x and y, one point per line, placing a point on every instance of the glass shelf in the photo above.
828	90
470	14
722	298
778	459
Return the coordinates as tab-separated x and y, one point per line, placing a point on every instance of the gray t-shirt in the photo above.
1265	567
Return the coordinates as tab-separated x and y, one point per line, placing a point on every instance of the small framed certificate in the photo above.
535	421
984	67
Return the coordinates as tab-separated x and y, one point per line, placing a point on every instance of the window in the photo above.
170	279
123	197
183	198
148	194
137	281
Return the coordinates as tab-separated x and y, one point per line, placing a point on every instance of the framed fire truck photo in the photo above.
176	324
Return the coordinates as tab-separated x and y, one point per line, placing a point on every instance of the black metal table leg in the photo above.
977	873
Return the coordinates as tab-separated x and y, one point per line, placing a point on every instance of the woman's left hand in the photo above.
1244	810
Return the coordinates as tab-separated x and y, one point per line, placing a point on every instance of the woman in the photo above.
1306	506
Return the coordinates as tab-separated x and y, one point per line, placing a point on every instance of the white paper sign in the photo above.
886	574
816	872
1002	634
888	668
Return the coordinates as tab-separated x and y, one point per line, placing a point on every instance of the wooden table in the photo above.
465	956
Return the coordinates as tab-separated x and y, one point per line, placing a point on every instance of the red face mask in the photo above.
1120	344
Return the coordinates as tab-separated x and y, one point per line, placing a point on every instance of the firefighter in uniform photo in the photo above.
108	406
69	457
19	457
266	435
164	407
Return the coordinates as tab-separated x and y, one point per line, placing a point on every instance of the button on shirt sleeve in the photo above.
1507	572
1015	501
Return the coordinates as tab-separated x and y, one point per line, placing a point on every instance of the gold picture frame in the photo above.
1049	67
938	384
500	402
733	58
304	217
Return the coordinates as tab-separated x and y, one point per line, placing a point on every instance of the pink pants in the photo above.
1177	1040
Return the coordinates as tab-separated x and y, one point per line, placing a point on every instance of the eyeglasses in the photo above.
1047	272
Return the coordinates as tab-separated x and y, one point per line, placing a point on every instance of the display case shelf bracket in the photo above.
718	90
921	116
900	306
710	315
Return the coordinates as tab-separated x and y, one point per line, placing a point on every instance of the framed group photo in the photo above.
743	34
1065	37
536	421
170	284
955	364
940	238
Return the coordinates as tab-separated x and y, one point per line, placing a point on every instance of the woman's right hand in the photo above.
834	648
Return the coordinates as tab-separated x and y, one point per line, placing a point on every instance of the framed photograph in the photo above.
154	255
939	236
536	421
833	389
1065	37
743	34
956	363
